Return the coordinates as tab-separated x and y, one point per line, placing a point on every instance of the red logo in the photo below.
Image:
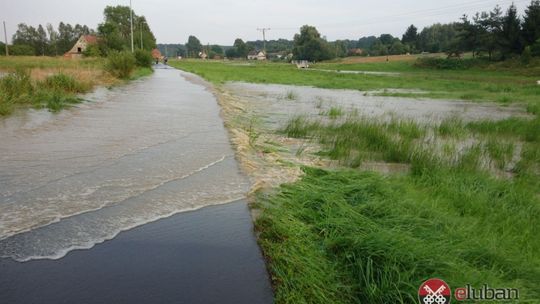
434	291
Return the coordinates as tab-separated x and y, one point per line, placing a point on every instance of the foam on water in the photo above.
133	155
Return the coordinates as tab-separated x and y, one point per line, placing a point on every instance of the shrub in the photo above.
526	56
92	50
120	64
63	82
16	85
143	58
446	63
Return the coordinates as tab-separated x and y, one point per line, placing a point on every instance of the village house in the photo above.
256	55
80	46
156	54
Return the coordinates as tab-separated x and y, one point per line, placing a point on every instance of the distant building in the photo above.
156	54
81	45
256	55
203	55
356	52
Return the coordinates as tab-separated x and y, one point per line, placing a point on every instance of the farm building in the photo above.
156	54
80	46
256	55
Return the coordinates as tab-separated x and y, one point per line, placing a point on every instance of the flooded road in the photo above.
132	155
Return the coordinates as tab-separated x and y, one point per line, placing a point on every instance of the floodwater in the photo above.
272	102
133	155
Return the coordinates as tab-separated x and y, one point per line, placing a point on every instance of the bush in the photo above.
16	85
526	56
144	58
21	50
446	63
92	50
120	64
63	82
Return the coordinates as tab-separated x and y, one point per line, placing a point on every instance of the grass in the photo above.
55	92
52	83
486	83
346	236
466	211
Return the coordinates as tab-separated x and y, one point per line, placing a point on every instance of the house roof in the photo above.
91	38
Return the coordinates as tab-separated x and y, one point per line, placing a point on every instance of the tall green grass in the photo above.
55	92
379	237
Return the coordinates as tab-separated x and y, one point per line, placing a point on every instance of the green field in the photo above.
497	83
466	208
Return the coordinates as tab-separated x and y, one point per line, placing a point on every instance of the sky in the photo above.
220	21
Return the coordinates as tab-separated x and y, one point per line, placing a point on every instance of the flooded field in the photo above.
277	103
132	155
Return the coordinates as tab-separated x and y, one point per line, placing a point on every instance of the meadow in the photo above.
465	208
53	83
503	83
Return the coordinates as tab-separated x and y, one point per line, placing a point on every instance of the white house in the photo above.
256	55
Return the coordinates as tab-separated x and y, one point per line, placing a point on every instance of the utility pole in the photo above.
140	25
5	37
131	21
263	30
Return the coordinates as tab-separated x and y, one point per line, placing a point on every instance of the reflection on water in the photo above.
130	156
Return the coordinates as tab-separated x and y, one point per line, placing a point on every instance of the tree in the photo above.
490	25
531	23
510	35
410	37
217	49
193	46
115	31
308	45
241	48
53	40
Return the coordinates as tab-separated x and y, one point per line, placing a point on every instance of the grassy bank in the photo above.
384	205
347	236
495	82
52	83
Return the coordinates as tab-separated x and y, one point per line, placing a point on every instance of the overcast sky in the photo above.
221	21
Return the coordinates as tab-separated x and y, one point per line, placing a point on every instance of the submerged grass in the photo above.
347	236
54	93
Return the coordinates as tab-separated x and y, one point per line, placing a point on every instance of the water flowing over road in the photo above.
135	154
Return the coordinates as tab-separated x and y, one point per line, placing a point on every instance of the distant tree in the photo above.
217	49
193	47
490	24
340	48
410	37
308	45
241	48
115	31
437	37
21	50
468	36
531	23
509	37
2	49
231	53
397	48
366	43
53	40
41	41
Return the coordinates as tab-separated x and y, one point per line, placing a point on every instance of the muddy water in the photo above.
274	105
132	155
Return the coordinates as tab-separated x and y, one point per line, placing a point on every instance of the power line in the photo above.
263	30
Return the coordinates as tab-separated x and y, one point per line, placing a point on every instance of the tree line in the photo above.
496	34
114	34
